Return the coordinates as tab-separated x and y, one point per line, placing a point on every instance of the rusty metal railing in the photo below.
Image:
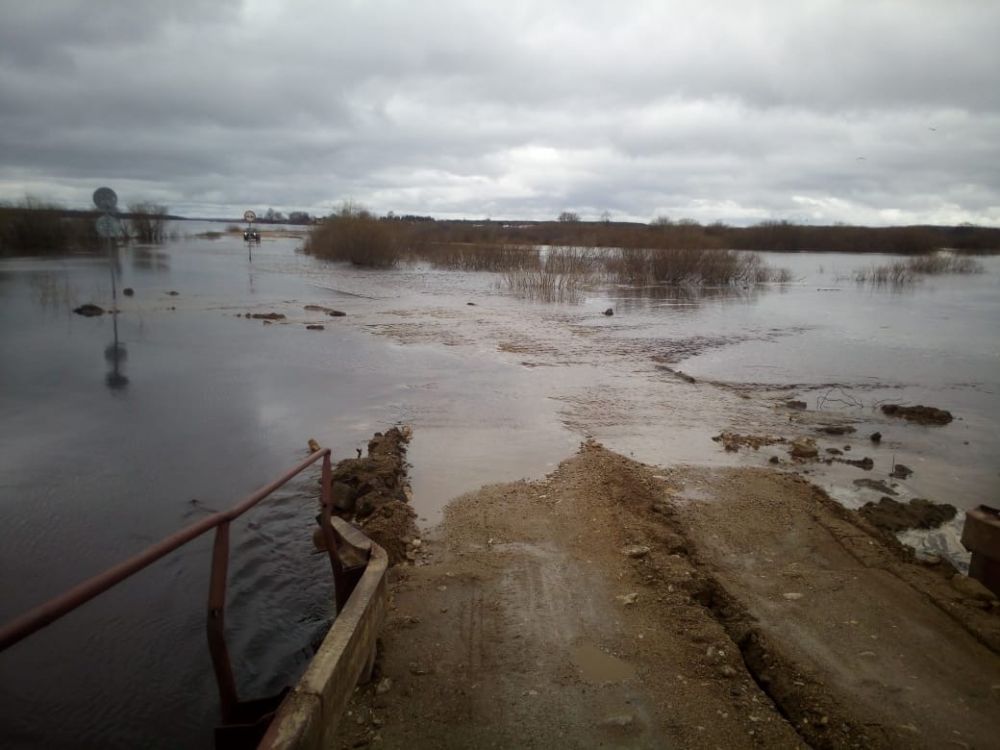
47	613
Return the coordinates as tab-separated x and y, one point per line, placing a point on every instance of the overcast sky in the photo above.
859	111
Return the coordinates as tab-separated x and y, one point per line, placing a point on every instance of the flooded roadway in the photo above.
93	469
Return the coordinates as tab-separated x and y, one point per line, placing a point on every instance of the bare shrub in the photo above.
753	270
147	222
691	266
631	266
544	285
575	260
478	257
900	273
354	234
890	274
940	263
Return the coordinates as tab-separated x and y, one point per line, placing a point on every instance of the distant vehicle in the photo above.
251	235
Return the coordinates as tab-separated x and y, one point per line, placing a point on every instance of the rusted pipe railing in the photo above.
47	613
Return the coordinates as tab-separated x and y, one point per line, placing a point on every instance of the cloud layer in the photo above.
820	111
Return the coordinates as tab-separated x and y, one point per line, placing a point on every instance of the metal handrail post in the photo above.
215	624
340	588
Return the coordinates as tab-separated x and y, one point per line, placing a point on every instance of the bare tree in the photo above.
147	222
568	216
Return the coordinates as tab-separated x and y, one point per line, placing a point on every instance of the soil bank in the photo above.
616	605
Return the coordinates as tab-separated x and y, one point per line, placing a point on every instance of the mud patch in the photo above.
893	516
926	415
374	492
733	441
597	667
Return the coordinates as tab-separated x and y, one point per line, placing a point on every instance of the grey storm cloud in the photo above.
820	111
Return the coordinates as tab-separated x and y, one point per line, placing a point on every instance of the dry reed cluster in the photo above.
904	272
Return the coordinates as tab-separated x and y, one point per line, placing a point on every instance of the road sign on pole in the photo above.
106	199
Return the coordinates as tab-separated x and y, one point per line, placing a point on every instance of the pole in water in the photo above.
248	234
109	228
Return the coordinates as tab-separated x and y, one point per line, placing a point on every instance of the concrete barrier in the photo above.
981	536
307	718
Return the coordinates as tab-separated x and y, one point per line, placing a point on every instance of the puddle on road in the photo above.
597	667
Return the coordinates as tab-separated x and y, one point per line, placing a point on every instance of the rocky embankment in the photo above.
373	492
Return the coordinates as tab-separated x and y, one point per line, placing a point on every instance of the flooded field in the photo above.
113	439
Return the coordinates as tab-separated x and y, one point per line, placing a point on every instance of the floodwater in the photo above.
106	448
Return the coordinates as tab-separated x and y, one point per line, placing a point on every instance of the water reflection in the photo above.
115	353
52	291
150	259
644	298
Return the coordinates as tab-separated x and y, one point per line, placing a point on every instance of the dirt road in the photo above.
617	605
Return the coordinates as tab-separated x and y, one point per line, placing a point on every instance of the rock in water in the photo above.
901	471
919	414
865	463
837	429
88	310
893	516
329	311
803	448
344	497
609	311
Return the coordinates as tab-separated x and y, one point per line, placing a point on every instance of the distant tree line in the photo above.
357	235
270	216
777	236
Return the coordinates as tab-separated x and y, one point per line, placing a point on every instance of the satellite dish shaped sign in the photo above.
249	216
106	199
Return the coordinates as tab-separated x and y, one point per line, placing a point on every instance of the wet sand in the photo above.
619	605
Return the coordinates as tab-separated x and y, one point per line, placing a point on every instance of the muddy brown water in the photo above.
106	449
597	667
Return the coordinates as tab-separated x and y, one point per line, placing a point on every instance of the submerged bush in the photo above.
940	263
34	227
479	257
544	285
354	234
575	260
692	266
900	273
147	222
894	274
